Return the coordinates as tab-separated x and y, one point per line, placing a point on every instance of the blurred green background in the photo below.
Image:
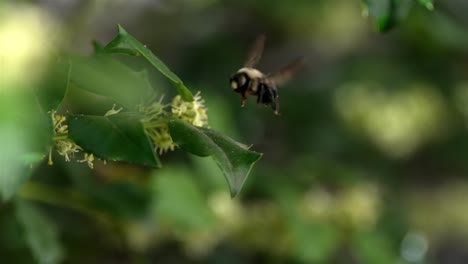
366	164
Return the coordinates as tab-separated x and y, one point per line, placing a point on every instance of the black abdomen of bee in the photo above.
268	95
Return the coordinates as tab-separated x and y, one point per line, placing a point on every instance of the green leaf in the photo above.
98	48
104	75
83	102
40	233
234	159
427	3
126	44
55	84
386	13
118	137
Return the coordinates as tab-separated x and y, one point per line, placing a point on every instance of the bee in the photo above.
250	81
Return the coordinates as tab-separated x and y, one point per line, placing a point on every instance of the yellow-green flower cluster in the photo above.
156	116
64	146
154	123
161	138
191	112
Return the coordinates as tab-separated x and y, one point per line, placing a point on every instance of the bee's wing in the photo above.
287	72
255	52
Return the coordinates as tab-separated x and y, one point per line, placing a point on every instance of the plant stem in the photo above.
153	124
60	137
62	198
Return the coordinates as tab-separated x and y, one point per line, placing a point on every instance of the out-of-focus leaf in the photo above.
386	13
373	247
314	242
118	137
13	171
80	101
31	158
54	86
106	76
365	8
40	233
24	136
126	44
234	159
119	198
383	13
178	201
311	241
427	3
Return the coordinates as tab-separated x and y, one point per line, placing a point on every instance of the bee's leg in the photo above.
274	101
260	93
275	106
243	100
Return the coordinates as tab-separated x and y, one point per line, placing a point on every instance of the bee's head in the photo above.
238	81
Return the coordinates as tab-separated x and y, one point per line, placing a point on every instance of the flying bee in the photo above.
250	81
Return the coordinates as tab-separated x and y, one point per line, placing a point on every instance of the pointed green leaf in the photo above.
126	44
234	159
106	76
118	137
40	233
